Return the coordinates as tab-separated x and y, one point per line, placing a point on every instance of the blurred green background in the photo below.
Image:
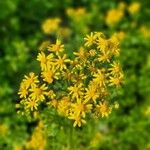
23	29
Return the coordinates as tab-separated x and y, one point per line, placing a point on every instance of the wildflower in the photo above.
92	52
56	48
116	105
120	35
63	106
78	112
45	60
100	78
23	91
104	57
38	138
29	80
38	92
78	120
103	109
81	108
147	112
115	69
53	103
49	75
116	81
86	80
31	104
51	94
110	19
90	39
91	93
145	31
76	91
134	8
3	129
50	25
60	62
81	54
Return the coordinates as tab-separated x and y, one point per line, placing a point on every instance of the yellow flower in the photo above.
53	103
64	106
81	54
51	94
120	35
57	48
31	104
3	129
104	57
145	31
103	109
45	61
29	80
91	93
113	16
23	90
38	139
79	110
100	78
60	62
92	52
50	25
76	91
109	45
49	75
147	111
116	81
116	105
115	68
78	120
90	39
38	92
134	7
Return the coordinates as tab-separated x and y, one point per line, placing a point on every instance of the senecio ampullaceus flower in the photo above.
77	88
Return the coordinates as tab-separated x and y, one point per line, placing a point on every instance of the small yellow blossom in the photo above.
60	62
38	92
23	90
45	61
49	75
145	31
134	7
91	93
116	81
103	109
50	25
100	78
90	39
29	80
31	104
114	16
76	91
115	68
56	48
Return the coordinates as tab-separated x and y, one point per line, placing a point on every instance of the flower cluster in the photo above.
77	87
115	15
38	138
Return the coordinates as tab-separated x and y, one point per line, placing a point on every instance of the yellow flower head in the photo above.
134	8
50	25
114	16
